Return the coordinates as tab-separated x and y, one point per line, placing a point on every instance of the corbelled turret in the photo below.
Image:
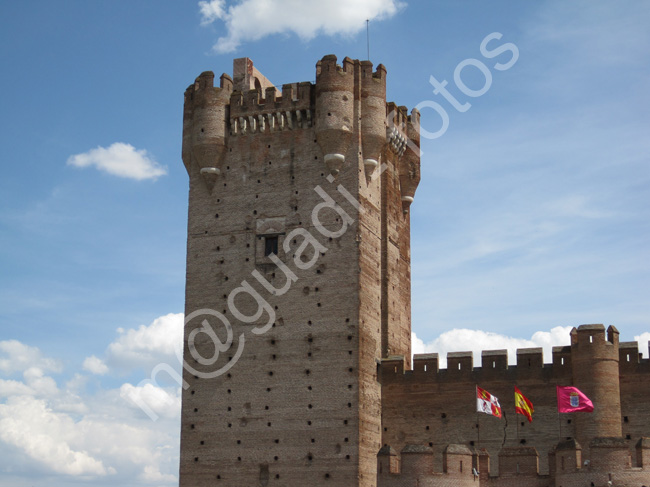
334	109
205	123
404	134
373	114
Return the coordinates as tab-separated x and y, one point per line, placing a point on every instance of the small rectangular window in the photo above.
270	246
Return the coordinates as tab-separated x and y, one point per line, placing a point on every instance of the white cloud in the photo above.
476	341
29	425
121	160
77	383
160	401
66	432
643	340
17	357
251	20
152	474
14	388
41	384
149	345
212	10
95	365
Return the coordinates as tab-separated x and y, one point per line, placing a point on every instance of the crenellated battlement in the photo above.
332	75
460	365
494	363
251	113
346	107
630	358
589	335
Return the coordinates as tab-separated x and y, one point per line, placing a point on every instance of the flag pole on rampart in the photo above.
478	428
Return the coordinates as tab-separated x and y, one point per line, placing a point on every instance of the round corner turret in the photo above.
205	123
204	80
409	164
334	116
373	116
595	365
226	82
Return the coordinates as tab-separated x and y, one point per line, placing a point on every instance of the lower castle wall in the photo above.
517	481
433	480
440	480
423	410
427	406
631	478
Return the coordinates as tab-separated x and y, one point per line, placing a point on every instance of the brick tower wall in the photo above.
398	187
293	393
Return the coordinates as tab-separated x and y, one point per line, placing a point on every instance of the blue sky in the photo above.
532	215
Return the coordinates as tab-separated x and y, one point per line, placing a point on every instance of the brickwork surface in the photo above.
302	400
298	334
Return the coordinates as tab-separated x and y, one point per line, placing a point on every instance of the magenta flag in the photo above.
572	400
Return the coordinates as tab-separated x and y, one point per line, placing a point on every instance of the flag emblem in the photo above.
572	400
487	403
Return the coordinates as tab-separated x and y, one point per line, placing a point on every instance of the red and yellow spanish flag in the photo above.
523	405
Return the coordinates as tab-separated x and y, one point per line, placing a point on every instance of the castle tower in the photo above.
298	265
595	365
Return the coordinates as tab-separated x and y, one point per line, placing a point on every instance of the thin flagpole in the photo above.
368	36
516	418
478	428
559	421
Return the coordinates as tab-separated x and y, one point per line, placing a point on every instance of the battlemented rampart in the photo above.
435	407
